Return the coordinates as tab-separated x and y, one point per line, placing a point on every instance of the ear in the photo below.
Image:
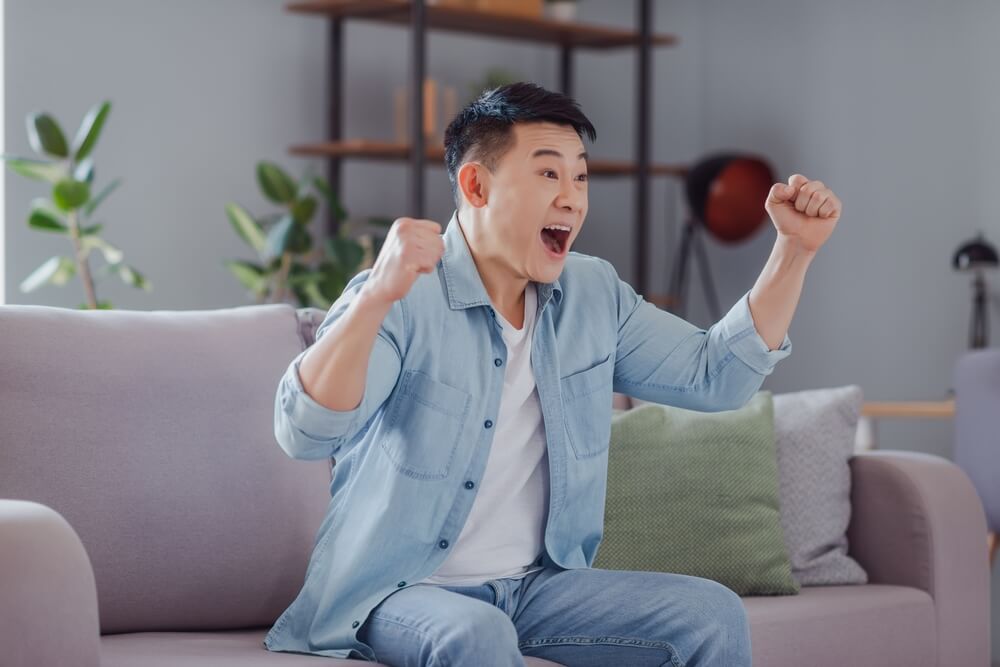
473	181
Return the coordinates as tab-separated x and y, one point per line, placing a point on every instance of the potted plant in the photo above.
289	264
69	170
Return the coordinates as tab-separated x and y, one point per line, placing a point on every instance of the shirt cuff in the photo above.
744	341
316	421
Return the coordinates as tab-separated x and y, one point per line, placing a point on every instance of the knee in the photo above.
725	627
481	631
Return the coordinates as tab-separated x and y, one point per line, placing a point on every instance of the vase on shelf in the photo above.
561	10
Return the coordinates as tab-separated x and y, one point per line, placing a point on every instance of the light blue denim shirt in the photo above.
410	457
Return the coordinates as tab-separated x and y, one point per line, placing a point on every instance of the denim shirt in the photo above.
409	458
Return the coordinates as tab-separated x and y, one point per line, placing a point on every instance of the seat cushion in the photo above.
237	648
833	626
152	434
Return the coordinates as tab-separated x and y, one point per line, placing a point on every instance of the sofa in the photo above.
149	519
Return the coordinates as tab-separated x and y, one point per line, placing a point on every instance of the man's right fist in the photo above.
411	247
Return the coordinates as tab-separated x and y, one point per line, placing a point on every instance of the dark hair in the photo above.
484	129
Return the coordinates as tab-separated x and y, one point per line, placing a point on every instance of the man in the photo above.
464	386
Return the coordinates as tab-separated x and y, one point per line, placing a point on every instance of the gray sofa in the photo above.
149	519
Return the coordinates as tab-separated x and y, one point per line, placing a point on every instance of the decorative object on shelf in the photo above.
291	264
434	123
70	170
528	8
725	194
561	10
977	256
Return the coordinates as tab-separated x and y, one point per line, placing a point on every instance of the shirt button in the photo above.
400	584
470	484
355	624
488	424
443	544
498	362
493	313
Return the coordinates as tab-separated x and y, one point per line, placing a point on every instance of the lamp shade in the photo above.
975	254
727	191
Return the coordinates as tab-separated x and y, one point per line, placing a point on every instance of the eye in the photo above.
548	173
582	177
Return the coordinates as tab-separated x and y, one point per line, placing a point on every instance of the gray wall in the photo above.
893	104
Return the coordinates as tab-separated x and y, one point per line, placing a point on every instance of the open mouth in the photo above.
555	238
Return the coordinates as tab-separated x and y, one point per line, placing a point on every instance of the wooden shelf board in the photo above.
387	150
903	409
466	20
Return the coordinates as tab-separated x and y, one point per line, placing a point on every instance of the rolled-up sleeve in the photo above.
665	359
304	428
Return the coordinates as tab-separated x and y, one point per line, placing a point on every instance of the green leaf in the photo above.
92	205
91	230
300	241
56	270
252	276
275	183
315	297
85	171
70	195
279	235
43	218
112	254
304	209
246	227
45	135
90	130
38	170
130	276
331	197
334	280
347	252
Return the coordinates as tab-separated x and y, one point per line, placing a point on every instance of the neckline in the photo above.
530	304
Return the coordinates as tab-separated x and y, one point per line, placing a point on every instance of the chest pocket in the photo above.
587	408
423	426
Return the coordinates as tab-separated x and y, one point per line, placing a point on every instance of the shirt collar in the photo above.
461	277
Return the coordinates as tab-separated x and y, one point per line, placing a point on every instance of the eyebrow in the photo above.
548	151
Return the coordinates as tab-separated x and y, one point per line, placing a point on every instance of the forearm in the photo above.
775	295
334	369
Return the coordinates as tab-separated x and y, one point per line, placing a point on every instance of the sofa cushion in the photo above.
217	649
814	433
696	493
833	626
152	434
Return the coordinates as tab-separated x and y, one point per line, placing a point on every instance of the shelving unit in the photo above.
419	17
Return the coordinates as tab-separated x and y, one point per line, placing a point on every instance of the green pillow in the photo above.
697	493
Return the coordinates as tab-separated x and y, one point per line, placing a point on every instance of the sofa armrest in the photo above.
917	521
48	598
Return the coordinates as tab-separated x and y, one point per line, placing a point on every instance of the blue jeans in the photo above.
574	617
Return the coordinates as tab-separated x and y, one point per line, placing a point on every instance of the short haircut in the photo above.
484	130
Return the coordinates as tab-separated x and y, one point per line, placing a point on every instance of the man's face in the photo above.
537	201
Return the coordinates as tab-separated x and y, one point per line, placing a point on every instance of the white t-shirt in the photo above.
504	532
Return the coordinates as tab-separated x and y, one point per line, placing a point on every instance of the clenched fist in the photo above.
411	247
803	211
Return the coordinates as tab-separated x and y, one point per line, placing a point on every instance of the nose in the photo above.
571	197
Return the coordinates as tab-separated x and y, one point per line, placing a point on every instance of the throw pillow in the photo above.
814	432
697	493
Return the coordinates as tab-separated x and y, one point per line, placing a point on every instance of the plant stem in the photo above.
82	262
282	278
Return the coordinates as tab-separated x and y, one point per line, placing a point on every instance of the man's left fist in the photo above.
803	211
